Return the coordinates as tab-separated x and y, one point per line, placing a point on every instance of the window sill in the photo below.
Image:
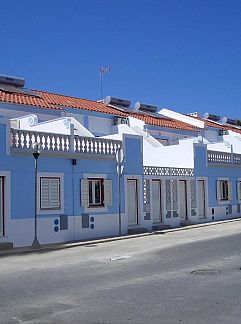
224	202
96	209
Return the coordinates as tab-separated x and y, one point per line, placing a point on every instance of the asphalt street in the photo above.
190	276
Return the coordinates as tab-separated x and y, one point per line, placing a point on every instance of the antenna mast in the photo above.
102	71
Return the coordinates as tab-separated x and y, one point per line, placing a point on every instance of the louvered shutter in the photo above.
239	190
50	193
218	190
108	192
54	193
84	193
230	190
44	203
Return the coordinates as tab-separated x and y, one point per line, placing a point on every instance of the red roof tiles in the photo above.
57	101
210	123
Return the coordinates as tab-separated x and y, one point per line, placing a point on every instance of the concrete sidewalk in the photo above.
68	245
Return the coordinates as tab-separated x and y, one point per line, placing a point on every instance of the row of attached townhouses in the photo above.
75	169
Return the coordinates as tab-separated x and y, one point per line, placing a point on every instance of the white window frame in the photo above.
220	199
50	211
107	201
101	184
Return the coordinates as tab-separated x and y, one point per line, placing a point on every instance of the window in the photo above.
96	192
224	190
50	193
239	190
1	207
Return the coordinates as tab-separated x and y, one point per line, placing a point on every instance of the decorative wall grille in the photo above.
165	171
147	195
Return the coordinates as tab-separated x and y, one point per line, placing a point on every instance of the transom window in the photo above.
96	192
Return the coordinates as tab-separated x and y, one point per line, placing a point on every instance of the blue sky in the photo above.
179	54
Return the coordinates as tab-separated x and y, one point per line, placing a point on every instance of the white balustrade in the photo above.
23	140
223	158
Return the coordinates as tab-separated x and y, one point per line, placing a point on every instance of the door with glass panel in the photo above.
132	202
182	186
156	201
201	198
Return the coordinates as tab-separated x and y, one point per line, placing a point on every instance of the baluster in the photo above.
96	147
100	151
111	148
67	144
91	146
104	147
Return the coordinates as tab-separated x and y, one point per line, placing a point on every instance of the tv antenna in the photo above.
102	71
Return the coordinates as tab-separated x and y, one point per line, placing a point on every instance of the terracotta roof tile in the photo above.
57	101
210	123
164	122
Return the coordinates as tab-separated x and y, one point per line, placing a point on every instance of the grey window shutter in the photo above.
239	190
54	192
84	193
230	190
218	190
50	193
45	199
108	192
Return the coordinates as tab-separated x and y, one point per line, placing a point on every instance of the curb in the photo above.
62	246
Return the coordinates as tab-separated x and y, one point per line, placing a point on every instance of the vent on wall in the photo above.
223	132
121	120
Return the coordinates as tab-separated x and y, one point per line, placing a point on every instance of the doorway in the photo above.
132	202
156	201
183	199
201	198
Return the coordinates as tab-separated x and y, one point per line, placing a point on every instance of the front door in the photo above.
1	208
183	199
201	198
156	201
132	202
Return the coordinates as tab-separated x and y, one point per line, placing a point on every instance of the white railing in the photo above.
220	158
23	140
166	171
